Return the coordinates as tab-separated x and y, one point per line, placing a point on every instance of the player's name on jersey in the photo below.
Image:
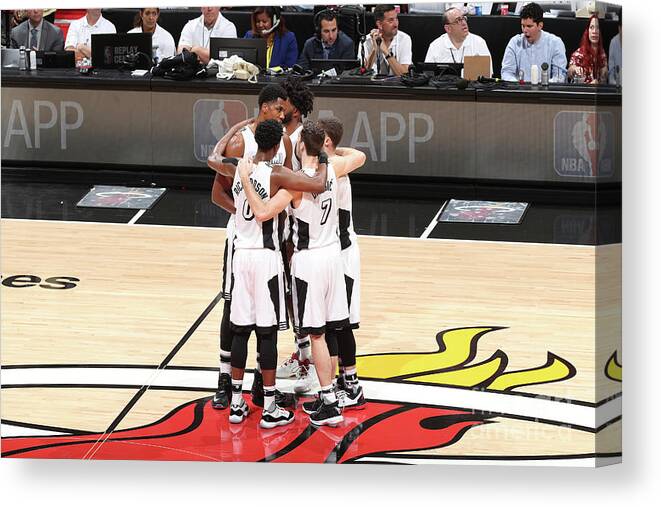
261	191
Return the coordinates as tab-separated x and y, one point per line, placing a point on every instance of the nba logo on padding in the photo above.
583	144
211	120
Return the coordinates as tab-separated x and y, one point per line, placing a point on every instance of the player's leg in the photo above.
242	317
223	394
353	392
270	315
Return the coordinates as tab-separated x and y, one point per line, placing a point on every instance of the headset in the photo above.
317	19
275	21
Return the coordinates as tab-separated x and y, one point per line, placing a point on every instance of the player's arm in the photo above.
226	164
300	181
214	161
347	160
288	151
262	210
221	193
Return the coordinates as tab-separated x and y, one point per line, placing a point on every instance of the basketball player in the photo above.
257	301
299	365
350	391
239	142
319	292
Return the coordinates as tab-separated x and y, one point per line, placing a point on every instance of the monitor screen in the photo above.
440	69
110	49
339	65
251	50
56	59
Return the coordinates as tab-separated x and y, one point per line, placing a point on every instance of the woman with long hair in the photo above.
281	47
588	64
146	21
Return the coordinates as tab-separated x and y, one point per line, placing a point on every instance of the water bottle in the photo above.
22	64
534	75
33	60
545	74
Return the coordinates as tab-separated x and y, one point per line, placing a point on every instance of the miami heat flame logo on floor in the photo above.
417	401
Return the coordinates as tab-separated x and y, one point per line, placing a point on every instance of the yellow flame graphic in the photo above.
469	376
456	347
449	365
613	368
555	370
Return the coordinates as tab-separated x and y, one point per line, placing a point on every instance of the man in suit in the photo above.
37	33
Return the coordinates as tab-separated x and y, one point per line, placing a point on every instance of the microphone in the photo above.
545	74
461	84
484	79
275	25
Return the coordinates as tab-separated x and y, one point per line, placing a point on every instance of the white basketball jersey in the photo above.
248	232
345	213
294	137
250	147
315	218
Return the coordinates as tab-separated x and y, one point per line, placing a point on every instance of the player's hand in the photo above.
245	167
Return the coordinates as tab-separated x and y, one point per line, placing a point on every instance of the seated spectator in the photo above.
37	33
328	43
534	47
588	63
196	34
615	55
79	36
389	48
146	21
457	41
281	45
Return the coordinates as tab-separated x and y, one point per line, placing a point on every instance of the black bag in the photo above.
182	67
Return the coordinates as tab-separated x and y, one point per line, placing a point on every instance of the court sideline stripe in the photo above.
99	443
432	225
137	216
392	238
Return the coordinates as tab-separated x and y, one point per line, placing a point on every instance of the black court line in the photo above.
144	388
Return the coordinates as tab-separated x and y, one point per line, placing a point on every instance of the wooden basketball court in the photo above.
469	350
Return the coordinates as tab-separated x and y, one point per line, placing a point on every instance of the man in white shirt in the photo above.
196	34
388	48
457	42
79	36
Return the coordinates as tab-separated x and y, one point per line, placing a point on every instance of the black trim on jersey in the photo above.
303	235
224	294
301	296
282	223
348	282
274	292
267	234
280	326
316	331
344	221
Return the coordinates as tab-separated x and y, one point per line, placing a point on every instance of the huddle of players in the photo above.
256	184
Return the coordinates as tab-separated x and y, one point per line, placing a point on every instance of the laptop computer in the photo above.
340	65
110	49
9	58
475	66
